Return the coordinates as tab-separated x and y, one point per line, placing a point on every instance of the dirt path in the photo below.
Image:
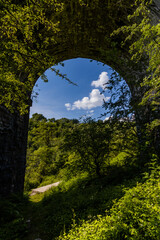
44	188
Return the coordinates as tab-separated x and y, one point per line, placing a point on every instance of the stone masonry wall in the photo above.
13	143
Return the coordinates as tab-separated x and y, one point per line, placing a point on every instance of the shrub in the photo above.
12	223
135	216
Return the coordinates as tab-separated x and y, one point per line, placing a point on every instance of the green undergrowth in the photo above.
87	208
13	225
80	199
135	216
50	214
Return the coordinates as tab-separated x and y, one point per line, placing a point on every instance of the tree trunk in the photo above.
98	170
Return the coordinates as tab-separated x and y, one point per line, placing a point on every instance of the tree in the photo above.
44	154
27	29
142	36
118	107
88	143
145	33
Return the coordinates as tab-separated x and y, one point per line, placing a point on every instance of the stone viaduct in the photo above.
84	32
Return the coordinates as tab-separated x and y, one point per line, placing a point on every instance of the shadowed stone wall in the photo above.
13	140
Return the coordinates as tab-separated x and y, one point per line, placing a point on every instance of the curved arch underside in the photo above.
85	31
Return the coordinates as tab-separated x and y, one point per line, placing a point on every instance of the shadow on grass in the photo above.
46	216
77	200
12	220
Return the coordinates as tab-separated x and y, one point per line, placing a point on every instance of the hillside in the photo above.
120	200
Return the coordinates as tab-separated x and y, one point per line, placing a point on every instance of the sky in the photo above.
57	98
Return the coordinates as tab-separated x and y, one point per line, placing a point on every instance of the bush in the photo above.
12	223
135	216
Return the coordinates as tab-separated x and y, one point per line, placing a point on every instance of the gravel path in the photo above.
44	188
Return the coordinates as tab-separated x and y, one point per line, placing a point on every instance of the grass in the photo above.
48	215
13	225
135	216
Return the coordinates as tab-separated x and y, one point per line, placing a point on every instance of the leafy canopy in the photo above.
143	36
27	31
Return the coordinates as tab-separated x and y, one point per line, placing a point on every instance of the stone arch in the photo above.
85	31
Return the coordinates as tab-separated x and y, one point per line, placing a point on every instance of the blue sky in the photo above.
58	98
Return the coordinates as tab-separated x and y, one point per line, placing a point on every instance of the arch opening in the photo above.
58	99
74	106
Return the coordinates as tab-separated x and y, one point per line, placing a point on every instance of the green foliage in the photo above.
54	154
119	105
143	37
44	155
66	148
81	198
27	30
12	223
31	31
90	208
88	144
134	216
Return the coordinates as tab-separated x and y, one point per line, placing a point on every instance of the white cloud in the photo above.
102	80
68	106
94	100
